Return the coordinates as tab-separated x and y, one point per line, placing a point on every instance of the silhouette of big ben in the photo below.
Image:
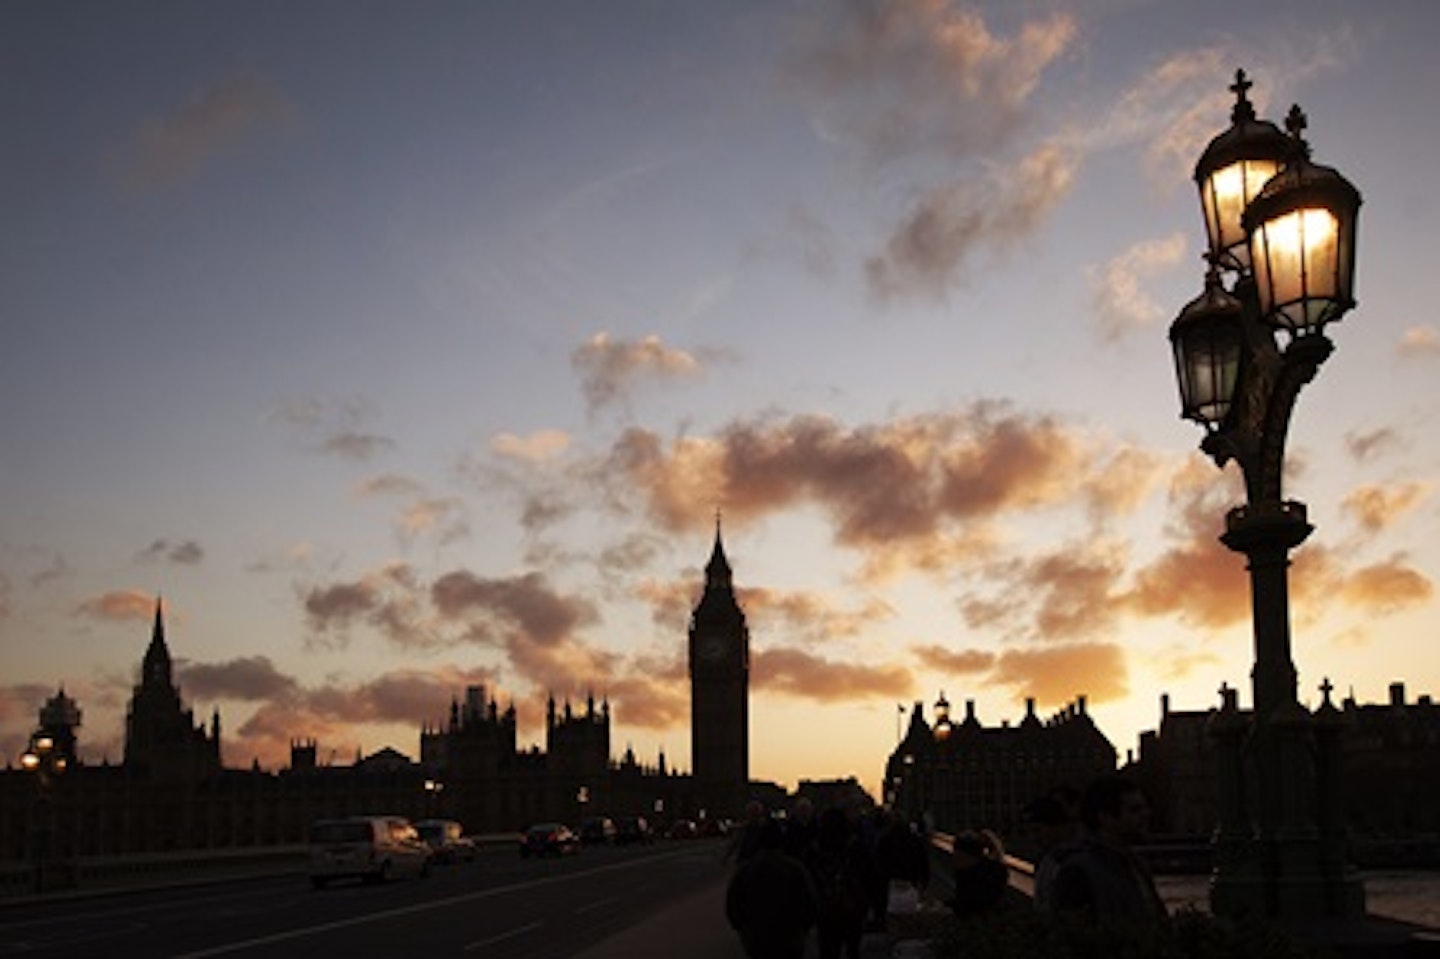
719	692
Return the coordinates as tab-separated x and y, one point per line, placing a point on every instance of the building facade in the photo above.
967	775
1390	775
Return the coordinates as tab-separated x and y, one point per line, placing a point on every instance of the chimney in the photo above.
1164	705
1397	694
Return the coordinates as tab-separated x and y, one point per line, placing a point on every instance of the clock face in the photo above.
712	649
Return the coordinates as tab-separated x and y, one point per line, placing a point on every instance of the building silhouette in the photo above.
967	775
1390	767
719	655
172	790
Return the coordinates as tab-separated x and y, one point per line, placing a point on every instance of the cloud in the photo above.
1377	507
187	553
526	603
893	490
1419	342
445	516
1119	299
357	446
389	484
1068	594
929	253
809	616
610	368
793	672
954	662
247	678
389	600
538	447
906	76
171	148
1366	446
118	606
55	570
336	427
328	712
1387	587
1055	675
5	593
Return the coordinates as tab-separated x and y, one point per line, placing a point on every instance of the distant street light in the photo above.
47	763
1282	230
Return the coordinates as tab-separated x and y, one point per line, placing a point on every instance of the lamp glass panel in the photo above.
1226	194
1296	257
1208	367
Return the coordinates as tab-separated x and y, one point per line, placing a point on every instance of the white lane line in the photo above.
591	907
481	944
243	944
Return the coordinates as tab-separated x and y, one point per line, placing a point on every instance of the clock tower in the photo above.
719	692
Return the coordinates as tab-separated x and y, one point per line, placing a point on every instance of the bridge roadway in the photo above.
604	903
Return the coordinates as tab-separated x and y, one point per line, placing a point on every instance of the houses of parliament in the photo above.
172	790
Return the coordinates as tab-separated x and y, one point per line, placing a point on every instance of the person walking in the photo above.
1100	877
844	875
770	900
981	876
902	858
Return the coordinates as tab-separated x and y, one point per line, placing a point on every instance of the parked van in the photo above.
369	848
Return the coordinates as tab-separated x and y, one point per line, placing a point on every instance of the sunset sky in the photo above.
406	346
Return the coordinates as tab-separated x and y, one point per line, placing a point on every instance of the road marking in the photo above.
417	907
503	936
595	905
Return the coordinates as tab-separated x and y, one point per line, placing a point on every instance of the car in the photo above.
549	839
447	840
633	829
597	830
683	829
368	848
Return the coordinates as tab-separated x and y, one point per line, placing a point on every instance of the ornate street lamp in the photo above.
46	762
1283	230
942	719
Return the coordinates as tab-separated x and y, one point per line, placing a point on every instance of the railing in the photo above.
21	880
93	873
1022	872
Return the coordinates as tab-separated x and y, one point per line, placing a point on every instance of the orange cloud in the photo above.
1055	675
954	662
119	606
1387	586
794	672
1375	507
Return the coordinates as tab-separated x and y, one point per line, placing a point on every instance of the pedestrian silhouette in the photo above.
770	901
1101	878
981	876
845	876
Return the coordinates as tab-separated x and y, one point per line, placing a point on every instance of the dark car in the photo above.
597	831
549	839
633	829
447	840
683	829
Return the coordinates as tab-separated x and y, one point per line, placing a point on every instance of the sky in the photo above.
406	347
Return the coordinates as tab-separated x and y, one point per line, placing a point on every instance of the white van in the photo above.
369	848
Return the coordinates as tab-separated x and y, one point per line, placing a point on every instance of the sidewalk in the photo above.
695	927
